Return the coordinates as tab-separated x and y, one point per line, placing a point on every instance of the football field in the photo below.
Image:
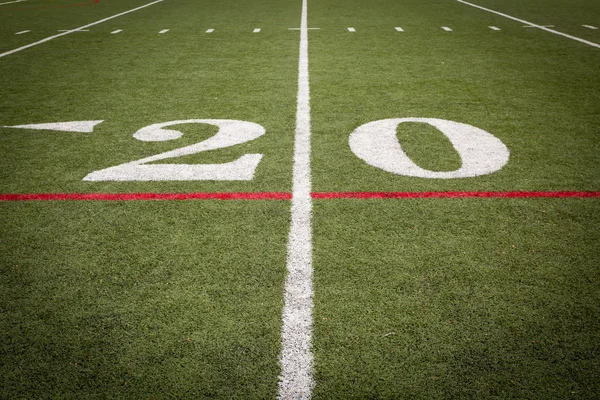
295	199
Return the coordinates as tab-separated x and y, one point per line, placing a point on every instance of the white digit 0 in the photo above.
481	153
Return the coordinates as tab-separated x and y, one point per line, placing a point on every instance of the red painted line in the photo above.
442	195
288	196
145	196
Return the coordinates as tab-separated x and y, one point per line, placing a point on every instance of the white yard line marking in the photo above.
537	26
494	28
589	26
256	30
210	30
310	29
77	29
532	24
117	31
11	2
351	30
22	32
399	29
296	381
446	29
163	31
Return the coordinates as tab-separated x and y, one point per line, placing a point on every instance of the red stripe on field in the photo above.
288	196
145	196
440	195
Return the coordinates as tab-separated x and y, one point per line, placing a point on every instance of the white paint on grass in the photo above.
11	2
256	30
163	31
377	144
537	26
590	26
22	32
399	29
532	24
117	31
296	381
494	28
351	30
211	30
73	126
230	133
446	29
77	29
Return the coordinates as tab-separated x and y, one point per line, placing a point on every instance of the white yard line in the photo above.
590	26
494	28
22	32
117	31
76	29
532	24
11	2
296	381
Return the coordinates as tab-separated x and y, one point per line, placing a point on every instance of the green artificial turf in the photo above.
457	299
141	299
436	298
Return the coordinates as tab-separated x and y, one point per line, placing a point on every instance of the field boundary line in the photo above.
11	2
532	24
296	380
77	29
453	195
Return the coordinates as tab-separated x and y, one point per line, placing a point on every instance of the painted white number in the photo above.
231	133
376	143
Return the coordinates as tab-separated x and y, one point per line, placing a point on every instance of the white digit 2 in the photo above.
231	133
481	153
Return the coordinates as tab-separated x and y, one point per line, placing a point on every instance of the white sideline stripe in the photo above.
163	31
10	2
296	381
589	26
256	30
532	24
399	29
22	32
77	29
494	28
117	31
210	30
446	29
351	30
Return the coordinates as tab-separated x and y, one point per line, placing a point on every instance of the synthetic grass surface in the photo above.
141	299
457	299
444	298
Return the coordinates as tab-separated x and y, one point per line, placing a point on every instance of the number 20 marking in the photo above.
375	143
